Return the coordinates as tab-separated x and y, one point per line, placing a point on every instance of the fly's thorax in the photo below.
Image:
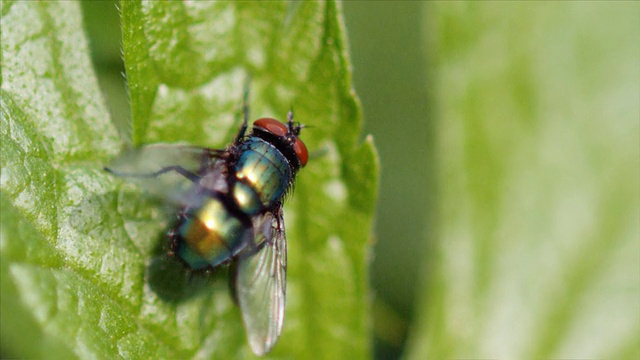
211	234
262	176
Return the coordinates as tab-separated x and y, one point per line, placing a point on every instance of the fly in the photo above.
231	211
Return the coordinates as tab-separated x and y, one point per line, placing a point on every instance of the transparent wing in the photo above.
261	283
169	171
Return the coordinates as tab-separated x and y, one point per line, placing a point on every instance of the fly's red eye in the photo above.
271	125
301	152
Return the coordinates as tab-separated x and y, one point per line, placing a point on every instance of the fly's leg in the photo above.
245	113
173	242
179	169
172	234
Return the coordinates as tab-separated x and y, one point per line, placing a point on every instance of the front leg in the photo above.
245	114
179	169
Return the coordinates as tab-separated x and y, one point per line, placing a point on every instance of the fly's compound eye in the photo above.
277	128
272	126
301	152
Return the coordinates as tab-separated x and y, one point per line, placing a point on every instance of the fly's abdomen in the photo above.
262	176
211	235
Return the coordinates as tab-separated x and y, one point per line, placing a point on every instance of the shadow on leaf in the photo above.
173	282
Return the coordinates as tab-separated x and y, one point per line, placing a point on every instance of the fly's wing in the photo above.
169	171
261	283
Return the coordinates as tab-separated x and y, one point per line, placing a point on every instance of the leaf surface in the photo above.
82	264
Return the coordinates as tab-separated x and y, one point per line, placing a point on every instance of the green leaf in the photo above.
82	273
537	249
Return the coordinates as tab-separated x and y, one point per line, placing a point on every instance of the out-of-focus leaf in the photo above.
537	255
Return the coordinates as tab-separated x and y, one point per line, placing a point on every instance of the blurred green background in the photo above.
508	219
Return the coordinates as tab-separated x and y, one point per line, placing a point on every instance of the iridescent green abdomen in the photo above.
211	235
262	176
